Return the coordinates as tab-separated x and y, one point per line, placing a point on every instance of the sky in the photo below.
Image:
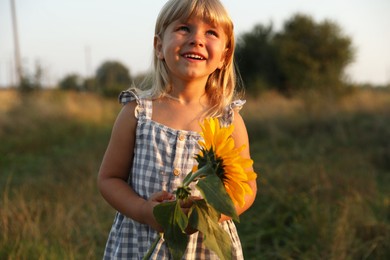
77	36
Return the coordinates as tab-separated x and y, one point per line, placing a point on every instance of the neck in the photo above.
187	93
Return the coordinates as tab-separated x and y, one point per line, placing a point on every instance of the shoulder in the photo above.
240	134
117	158
126	121
126	118
231	116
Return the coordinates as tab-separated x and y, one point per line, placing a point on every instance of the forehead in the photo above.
207	11
198	21
209	17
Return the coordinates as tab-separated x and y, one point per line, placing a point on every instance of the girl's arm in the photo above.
240	136
114	172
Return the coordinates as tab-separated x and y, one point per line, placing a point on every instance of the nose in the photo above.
197	39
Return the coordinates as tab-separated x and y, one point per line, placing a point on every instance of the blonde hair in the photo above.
221	84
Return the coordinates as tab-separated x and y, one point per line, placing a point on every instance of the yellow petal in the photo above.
219	140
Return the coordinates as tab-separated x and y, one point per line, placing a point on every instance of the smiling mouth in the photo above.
194	56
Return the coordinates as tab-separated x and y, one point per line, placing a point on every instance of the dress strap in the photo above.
144	106
228	114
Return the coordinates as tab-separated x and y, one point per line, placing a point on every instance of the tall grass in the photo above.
324	187
51	147
323	164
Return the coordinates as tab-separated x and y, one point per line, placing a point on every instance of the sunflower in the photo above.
218	149
221	173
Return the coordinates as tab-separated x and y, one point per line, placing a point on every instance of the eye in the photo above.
213	33
183	28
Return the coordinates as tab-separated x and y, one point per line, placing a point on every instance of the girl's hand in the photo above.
147	208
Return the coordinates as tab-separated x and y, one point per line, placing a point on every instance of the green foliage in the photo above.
303	55
215	194
71	82
50	207
89	84
256	58
312	55
205	219
112	77
203	214
173	220
323	186
30	82
323	192
201	217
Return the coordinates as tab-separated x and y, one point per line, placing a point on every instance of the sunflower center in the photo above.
209	157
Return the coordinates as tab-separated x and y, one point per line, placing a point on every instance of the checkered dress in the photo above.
162	158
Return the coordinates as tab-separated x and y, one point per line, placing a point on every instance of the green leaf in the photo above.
215	194
173	220
205	219
180	218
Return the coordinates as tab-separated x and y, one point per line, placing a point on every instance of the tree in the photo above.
112	77
71	82
312	55
89	84
303	55
29	82
256	58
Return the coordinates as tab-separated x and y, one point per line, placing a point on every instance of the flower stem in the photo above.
152	247
202	172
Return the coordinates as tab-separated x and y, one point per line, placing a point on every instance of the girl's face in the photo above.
192	50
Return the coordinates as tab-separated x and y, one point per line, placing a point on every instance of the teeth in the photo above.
194	56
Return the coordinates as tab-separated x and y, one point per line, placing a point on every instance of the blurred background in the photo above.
76	37
317	81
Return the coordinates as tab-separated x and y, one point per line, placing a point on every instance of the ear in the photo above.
157	43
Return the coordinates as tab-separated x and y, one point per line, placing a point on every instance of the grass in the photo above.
324	187
323	164
52	144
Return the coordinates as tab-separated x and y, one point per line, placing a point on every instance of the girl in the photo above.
155	136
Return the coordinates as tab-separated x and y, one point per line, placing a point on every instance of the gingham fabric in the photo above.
162	158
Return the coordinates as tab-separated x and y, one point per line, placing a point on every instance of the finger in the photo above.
161	196
167	195
195	198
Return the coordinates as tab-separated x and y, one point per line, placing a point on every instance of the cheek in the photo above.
171	51
219	52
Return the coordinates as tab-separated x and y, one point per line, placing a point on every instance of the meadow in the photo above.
323	165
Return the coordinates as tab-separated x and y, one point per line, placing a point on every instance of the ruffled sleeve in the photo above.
228	115
129	96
